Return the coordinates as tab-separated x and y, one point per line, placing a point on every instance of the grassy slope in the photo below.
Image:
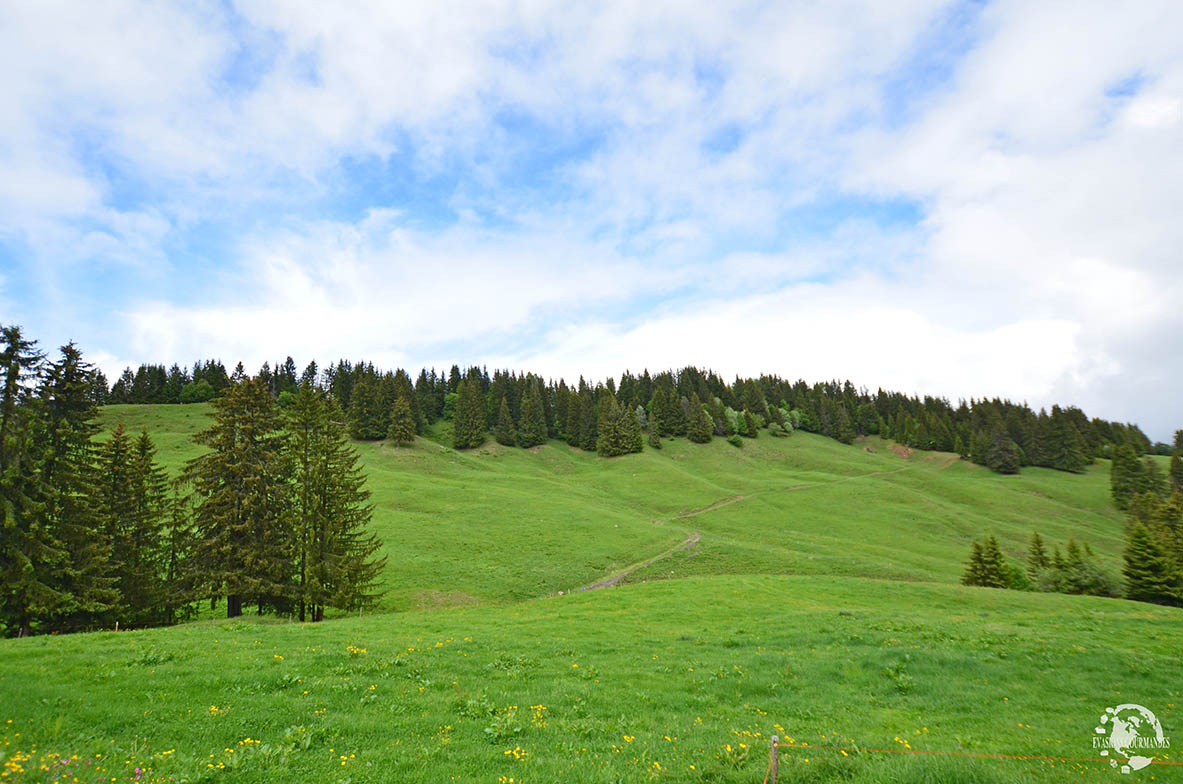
498	525
670	672
712	661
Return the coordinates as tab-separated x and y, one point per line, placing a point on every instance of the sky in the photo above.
963	199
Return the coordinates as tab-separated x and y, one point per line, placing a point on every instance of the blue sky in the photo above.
961	198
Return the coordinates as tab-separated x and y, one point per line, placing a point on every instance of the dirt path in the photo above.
694	536
615	579
716	505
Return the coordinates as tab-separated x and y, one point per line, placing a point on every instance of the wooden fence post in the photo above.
774	762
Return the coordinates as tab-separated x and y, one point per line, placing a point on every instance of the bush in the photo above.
197	392
735	440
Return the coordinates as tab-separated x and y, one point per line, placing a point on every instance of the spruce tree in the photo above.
987	566
974	570
402	423
532	430
469	425
1002	456
131	494
843	426
588	424
68	473
1153	480
619	433
368	417
1148	571
994	564
574	418
701	427
1037	558
608	436
660	413
1067	449
505	432
30	558
1175	473
337	566
246	543
1125	476
402	388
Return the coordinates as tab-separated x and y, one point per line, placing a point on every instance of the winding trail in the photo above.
694	537
615	579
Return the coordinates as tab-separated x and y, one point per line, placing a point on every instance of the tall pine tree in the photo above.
337	566
532	429
701	428
402	423
30	558
1148	570
246	542
68	473
469	424
505	432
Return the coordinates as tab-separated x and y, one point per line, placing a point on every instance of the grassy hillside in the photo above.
676	681
498	525
819	602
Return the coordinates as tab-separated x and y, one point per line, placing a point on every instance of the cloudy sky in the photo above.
960	199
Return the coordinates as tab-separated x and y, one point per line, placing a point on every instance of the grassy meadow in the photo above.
817	600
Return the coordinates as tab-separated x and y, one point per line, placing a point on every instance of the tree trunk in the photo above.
233	606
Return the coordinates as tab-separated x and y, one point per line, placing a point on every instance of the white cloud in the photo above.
1045	263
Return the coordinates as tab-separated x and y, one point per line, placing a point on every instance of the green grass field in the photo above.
817	600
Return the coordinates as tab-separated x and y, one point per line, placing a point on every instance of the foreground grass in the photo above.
677	680
496	525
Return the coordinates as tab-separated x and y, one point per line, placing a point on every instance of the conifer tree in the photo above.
843	426
652	438
246	543
367	419
701	427
403	388
131	494
608	436
1002	456
631	436
1153	480
1175	473
30	558
562	410
469	430
532	430
749	428
574	416
1067	449
619	432
402	423
68	474
1148	571
337	566
1037	558
1125	476
995	564
974	570
987	566
505	432
588	424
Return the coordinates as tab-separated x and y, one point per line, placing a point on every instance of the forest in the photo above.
525	410
273	514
